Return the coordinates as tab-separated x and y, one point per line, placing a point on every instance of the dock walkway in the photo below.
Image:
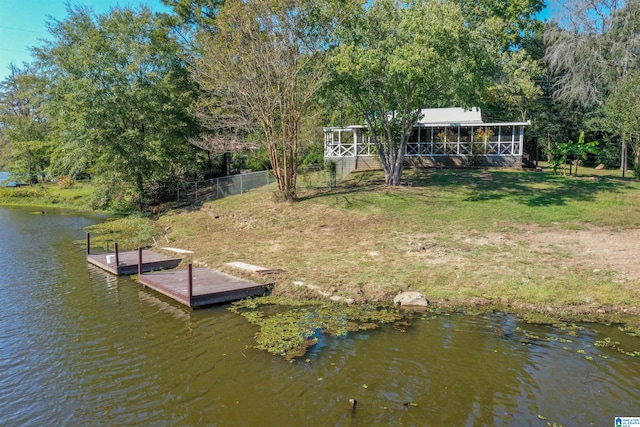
197	287
128	262
194	287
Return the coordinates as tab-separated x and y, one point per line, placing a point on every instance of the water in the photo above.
79	347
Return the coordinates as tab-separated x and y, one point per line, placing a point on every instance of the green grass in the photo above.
76	197
460	236
130	232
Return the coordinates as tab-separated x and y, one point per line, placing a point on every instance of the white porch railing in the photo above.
503	140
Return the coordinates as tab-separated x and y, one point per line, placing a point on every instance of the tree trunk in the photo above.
226	164
623	157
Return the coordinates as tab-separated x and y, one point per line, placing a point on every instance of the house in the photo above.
443	137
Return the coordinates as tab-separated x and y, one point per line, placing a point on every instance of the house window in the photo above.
506	133
425	135
465	134
414	135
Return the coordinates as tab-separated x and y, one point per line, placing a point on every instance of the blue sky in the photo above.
23	24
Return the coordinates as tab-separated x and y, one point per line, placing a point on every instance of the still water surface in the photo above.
79	347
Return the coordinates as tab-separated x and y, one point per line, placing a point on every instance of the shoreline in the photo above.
567	258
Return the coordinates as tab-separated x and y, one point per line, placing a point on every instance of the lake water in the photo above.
79	347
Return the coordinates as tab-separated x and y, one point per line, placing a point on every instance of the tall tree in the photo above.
401	56
23	123
593	49
118	98
261	68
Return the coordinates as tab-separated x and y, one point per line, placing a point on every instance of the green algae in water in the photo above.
288	328
615	345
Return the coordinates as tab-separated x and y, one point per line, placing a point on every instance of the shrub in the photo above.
65	182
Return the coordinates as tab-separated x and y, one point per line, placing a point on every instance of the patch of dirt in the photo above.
590	250
593	249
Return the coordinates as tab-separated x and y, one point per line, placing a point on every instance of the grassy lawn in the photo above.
527	240
50	194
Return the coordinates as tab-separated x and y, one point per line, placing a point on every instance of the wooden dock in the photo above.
196	287
126	263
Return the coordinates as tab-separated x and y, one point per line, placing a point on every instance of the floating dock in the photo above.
197	287
126	263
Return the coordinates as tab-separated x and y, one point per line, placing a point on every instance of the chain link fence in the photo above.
216	188
312	177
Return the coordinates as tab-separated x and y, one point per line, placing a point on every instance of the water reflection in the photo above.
81	347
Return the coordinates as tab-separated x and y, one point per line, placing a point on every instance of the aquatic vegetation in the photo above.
288	327
615	345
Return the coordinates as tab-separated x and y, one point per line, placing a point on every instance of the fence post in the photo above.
196	191
241	174
217	188
88	243
117	257
190	285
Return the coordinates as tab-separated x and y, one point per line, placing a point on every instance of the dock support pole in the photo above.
115	245
139	263
88	243
190	286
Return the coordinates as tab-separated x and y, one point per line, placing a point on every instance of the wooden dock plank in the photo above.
128	262
209	286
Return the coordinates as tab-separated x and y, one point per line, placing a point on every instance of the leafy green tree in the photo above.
622	113
118	99
261	69
199	13
592	51
398	57
576	151
23	123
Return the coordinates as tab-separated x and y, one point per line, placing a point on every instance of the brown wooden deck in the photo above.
128	262
208	286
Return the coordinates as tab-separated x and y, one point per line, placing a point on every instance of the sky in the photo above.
23	24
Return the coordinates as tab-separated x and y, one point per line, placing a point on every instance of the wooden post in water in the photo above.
115	245
88	243
139	263
190	284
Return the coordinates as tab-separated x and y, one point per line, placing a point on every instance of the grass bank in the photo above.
49	195
528	241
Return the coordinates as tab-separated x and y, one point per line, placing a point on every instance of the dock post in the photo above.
88	243
115	246
190	284
139	263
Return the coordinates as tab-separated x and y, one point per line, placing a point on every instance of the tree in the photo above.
576	151
24	125
260	69
199	13
622	113
398	57
118	99
593	46
592	50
